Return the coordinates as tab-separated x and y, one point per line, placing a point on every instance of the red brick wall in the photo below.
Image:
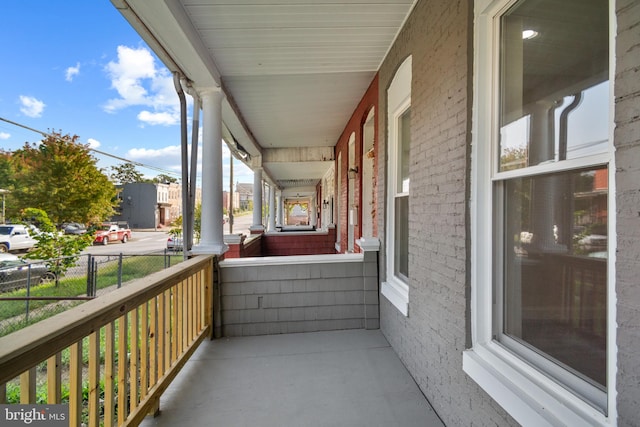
297	243
357	120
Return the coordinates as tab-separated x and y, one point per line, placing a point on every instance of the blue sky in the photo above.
77	67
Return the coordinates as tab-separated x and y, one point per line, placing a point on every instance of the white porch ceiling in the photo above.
293	70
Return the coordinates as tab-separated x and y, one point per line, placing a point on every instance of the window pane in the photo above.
553	79
401	245
404	138
555	265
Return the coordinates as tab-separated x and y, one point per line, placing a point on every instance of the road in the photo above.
146	242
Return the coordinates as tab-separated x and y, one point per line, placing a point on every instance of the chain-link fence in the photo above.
31	291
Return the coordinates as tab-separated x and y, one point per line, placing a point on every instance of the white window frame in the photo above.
529	396
395	289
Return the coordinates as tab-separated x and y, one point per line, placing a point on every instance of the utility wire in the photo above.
48	135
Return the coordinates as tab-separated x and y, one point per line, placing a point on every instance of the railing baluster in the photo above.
75	384
144	349
185	315
175	326
160	336
28	386
133	359
94	379
167	332
150	330
109	374
54	376
122	369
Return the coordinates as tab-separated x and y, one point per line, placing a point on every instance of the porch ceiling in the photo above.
293	71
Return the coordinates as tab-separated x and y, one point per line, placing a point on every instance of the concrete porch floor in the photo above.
338	378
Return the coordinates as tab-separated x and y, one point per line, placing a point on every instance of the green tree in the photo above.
62	251
126	173
61	177
162	179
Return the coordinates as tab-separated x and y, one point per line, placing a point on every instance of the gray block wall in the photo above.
283	297
627	181
430	341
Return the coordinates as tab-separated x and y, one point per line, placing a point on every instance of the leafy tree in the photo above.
126	173
62	251
61	177
162	178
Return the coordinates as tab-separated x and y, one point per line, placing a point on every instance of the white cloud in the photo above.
72	72
139	82
31	106
162	118
93	143
4	135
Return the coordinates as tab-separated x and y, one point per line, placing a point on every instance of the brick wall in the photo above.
299	243
430	341
354	126
301	294
627	184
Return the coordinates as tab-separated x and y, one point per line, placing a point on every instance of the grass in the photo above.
108	272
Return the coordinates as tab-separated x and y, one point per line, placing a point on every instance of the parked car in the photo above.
15	273
15	237
74	228
110	233
174	243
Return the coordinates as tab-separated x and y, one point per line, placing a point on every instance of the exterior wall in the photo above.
430	341
299	243
305	294
139	205
627	184
369	100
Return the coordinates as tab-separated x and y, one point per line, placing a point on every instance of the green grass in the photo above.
132	268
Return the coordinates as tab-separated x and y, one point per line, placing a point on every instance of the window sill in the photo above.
528	396
398	294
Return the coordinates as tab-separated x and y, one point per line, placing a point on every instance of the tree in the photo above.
164	179
61	177
61	251
126	173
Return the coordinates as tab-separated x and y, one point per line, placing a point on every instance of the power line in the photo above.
48	135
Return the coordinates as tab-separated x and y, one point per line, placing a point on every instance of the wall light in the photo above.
529	34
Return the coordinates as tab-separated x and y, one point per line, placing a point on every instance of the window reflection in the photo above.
555	270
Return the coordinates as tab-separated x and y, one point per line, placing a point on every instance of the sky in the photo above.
77	67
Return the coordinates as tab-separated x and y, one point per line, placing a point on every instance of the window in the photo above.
396	288
541	249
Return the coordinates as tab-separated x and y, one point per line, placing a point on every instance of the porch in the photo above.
348	377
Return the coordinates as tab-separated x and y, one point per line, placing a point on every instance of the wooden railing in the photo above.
138	339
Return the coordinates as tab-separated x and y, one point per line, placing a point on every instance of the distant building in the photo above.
148	205
245	195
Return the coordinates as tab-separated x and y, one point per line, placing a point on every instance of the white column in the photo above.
280	209
257	226
272	208
314	211
211	230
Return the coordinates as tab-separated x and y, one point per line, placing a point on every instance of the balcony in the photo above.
297	343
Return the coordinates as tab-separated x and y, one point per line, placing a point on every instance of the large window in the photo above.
396	288
542	161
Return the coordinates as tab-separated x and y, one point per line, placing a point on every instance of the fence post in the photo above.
89	274
120	271
26	314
